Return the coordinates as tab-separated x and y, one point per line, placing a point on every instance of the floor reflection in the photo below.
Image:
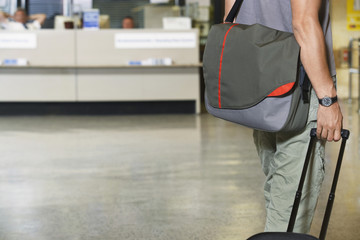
175	177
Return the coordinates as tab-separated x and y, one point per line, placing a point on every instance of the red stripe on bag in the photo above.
221	59
282	90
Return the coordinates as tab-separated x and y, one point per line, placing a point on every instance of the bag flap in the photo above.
243	64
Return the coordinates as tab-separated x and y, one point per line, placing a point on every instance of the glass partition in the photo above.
8	6
51	8
145	13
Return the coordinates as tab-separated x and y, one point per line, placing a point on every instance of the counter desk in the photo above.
92	66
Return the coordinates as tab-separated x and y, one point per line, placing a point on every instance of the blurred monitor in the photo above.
177	23
153	15
104	21
60	21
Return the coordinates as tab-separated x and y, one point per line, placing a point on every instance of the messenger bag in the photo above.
254	77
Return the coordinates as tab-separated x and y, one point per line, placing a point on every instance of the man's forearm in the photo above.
39	17
313	57
309	35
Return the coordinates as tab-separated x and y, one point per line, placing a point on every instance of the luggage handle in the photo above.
345	136
344	133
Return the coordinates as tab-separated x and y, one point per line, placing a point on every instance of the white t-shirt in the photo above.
277	14
16	26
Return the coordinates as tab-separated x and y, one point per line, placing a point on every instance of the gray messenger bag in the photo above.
253	76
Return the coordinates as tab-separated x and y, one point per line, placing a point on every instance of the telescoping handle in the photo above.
345	135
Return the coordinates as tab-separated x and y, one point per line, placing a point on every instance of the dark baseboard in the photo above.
96	108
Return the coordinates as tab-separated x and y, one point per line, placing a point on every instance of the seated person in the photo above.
21	20
128	22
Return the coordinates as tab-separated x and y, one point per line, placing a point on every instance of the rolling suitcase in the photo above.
290	235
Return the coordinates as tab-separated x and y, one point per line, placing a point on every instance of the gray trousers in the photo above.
282	157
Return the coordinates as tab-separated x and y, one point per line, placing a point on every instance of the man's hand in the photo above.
329	122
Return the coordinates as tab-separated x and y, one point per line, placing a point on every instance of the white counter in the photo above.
81	65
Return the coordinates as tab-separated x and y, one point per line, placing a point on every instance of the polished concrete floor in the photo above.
172	177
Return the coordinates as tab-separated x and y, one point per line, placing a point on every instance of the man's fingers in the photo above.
327	134
337	135
318	132
330	135
324	133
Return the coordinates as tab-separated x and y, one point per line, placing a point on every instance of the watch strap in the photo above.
333	100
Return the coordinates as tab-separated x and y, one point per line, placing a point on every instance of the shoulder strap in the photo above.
234	11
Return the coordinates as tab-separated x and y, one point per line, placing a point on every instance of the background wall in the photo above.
341	37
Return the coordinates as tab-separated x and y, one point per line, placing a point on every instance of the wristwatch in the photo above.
327	101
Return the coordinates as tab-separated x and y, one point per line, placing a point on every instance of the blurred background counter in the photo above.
104	65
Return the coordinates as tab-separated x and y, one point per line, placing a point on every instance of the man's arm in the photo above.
309	35
228	6
38	17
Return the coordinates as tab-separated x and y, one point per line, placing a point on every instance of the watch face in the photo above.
326	101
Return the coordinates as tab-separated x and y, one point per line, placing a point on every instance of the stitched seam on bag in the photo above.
220	66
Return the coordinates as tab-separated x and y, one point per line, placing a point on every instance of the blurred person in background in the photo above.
21	20
128	22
